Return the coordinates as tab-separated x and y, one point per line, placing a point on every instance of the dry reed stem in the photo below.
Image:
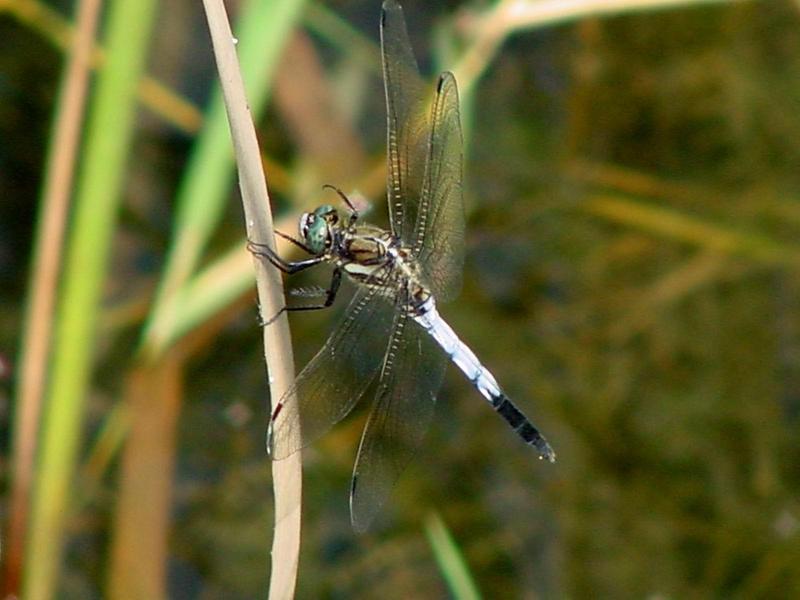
277	345
510	16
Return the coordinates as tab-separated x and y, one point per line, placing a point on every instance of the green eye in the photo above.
316	235
314	228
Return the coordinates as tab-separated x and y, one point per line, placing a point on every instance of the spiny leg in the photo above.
297	243
288	267
330	297
258	248
330	294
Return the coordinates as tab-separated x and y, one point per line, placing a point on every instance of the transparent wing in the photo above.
438	242
330	385
425	155
410	379
408	127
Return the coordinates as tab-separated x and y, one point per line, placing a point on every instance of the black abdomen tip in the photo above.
532	437
524	428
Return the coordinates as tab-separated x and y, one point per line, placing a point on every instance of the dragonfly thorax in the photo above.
364	251
371	256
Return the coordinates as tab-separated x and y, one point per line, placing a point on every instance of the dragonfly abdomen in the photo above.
429	319
524	428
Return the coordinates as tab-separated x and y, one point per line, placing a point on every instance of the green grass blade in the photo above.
680	226
109	133
262	30
450	559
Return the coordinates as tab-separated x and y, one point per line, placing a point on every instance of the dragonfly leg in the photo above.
343	196
330	296
257	248
297	243
288	267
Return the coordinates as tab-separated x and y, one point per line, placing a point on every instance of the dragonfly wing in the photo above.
330	385
411	376
438	242
407	118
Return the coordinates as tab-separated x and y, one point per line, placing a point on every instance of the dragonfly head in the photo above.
316	228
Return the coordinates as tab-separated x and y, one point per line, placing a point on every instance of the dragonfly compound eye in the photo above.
314	231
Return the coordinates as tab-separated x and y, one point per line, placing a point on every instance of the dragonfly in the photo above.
391	338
